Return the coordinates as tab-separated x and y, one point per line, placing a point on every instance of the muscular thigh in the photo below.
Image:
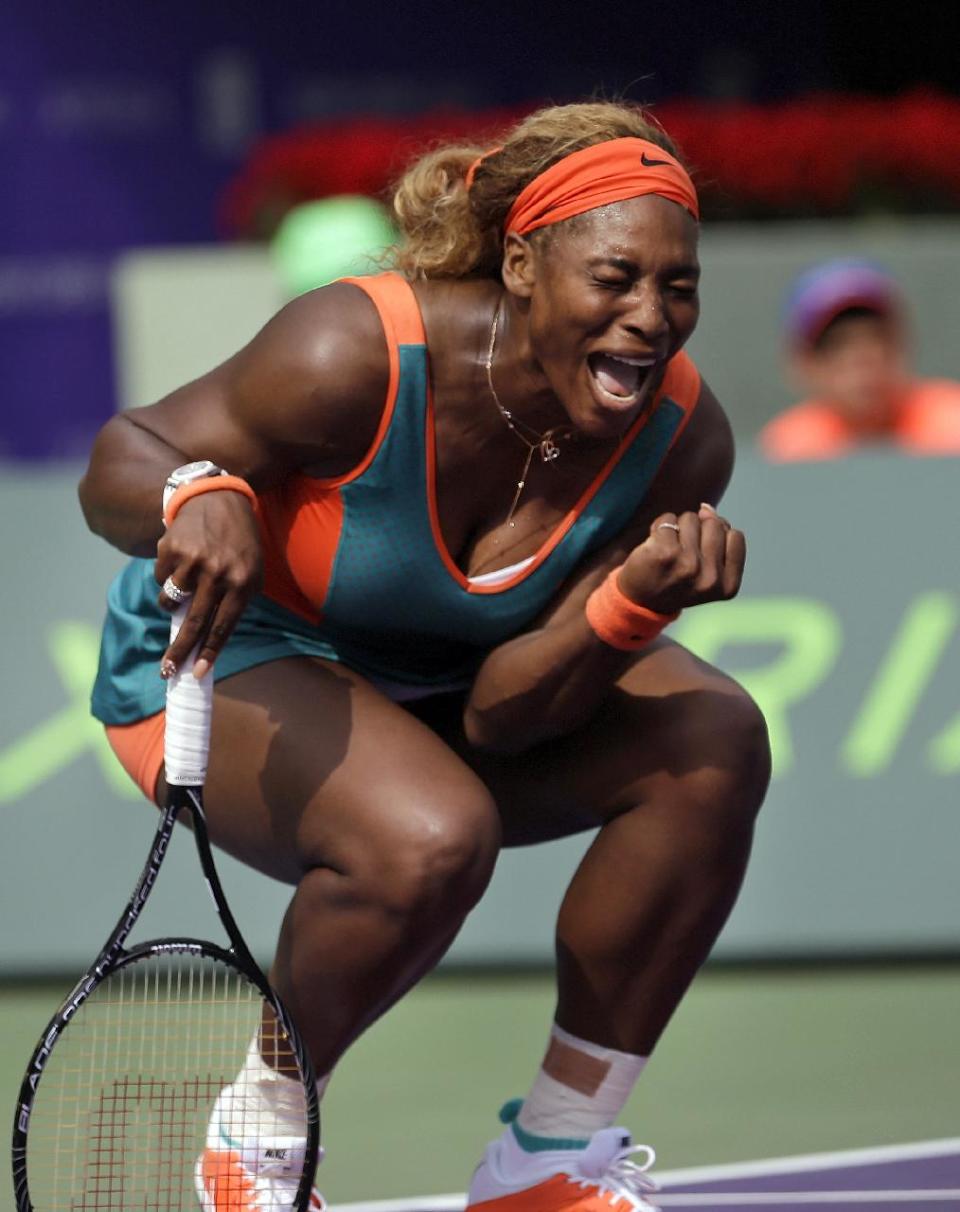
662	721
309	764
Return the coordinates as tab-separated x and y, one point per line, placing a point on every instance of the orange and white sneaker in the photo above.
258	1174
594	1179
253	1178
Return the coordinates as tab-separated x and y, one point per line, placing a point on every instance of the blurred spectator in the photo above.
847	332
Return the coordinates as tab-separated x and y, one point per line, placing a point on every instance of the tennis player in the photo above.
431	525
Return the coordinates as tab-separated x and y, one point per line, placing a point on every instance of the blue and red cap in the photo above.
822	293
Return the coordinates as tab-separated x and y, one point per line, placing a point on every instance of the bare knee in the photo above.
749	741
439	862
731	734
429	863
701	751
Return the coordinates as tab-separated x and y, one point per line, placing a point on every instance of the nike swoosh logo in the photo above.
648	163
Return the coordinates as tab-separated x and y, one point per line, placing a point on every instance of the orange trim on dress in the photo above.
677	382
682	383
301	528
302	520
395	300
399	314
139	748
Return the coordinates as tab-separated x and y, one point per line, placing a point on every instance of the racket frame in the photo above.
114	956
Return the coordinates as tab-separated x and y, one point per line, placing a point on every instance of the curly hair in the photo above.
450	231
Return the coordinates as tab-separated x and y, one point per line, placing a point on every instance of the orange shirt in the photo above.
925	422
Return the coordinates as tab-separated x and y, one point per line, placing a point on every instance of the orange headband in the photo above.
595	176
472	170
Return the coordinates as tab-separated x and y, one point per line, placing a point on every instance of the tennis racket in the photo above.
116	1105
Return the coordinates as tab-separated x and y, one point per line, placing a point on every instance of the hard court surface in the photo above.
757	1064
924	1175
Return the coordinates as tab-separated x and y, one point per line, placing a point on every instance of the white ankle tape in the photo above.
581	1088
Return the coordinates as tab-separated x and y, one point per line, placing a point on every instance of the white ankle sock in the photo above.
264	1101
581	1088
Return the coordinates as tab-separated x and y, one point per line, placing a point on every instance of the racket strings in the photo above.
122	1112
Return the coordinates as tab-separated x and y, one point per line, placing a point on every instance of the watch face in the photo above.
191	471
188	474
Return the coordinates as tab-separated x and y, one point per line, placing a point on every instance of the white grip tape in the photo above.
186	740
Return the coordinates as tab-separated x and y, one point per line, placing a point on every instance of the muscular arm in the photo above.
550	679
304	394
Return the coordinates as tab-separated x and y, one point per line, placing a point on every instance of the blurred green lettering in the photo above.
57	742
808	635
943	752
898	685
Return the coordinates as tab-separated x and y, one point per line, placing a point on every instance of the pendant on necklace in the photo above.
549	450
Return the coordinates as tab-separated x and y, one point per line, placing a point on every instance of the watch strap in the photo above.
221	483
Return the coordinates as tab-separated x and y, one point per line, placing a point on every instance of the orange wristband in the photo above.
618	621
209	484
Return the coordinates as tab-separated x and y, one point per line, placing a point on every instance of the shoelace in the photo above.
626	1177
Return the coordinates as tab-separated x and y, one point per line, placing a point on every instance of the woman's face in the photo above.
613	297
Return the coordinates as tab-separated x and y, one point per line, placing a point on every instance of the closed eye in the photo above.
618	283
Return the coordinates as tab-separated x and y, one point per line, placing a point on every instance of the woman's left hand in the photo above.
687	559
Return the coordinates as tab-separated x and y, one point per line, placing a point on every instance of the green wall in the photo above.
179	312
847	631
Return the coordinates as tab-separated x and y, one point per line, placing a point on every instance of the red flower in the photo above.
827	154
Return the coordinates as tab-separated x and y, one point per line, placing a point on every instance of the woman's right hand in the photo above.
211	551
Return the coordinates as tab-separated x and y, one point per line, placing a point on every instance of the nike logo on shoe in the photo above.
224	1184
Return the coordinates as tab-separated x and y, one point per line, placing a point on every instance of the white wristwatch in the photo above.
187	474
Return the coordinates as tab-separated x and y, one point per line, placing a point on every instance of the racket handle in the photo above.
186	740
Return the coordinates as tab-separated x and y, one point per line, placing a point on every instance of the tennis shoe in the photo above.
252	1174
594	1179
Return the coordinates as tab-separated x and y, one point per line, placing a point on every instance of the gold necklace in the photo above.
544	443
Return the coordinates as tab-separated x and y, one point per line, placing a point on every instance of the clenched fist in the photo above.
686	560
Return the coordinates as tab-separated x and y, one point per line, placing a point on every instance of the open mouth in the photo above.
619	379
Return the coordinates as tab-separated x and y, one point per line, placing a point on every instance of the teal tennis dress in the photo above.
356	569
